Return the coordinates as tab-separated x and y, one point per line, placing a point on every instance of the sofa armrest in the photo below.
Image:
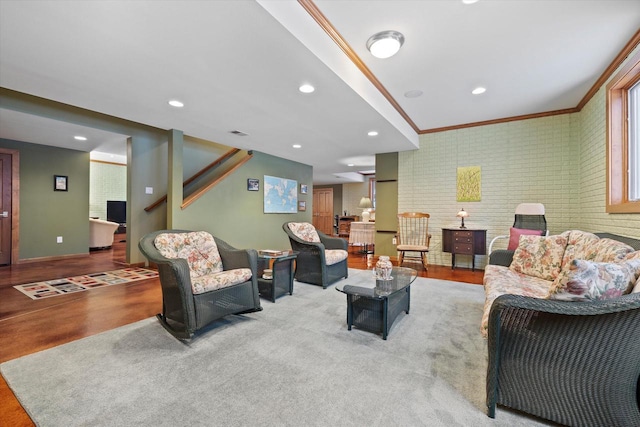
574	351
501	257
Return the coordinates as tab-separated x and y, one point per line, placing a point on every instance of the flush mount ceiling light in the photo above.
80	138
306	88
297	146
385	43
373	133
478	90
176	103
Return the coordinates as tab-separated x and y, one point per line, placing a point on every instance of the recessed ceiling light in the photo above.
350	164
469	1
413	94
373	133
478	90
306	88
385	44
176	103
80	138
297	146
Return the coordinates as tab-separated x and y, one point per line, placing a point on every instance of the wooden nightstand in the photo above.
459	241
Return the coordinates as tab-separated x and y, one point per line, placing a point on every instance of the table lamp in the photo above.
462	214
365	205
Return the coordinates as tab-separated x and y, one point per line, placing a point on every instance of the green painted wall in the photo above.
237	216
386	203
46	214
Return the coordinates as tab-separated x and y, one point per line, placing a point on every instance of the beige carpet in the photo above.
292	364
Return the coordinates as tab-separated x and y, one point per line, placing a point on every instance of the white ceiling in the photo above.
237	66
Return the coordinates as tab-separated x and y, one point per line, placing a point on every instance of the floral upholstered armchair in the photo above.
322	260
202	277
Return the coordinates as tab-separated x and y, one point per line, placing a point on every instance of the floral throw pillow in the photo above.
197	247
588	280
515	233
304	231
539	256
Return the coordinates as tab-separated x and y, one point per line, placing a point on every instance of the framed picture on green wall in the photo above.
60	182
280	195
253	184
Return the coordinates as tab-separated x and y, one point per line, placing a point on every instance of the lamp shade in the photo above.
365	203
462	214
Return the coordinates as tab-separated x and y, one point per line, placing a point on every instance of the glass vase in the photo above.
383	268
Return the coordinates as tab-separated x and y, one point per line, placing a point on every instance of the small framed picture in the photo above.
303	188
253	184
60	182
302	206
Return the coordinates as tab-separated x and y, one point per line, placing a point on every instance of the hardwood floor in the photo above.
29	326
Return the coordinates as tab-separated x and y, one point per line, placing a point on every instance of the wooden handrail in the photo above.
197	194
226	156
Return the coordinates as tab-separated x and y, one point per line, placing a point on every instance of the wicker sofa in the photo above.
563	327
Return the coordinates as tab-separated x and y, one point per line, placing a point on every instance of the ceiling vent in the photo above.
239	133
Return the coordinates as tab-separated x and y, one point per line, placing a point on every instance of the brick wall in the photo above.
534	160
108	181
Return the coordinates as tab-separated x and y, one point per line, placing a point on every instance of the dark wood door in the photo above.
5	209
323	210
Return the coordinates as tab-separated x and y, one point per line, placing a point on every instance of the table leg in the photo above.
349	311
385	313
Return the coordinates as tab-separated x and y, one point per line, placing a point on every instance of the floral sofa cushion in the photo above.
588	280
304	231
211	282
580	245
205	264
333	256
539	256
609	250
197	247
499	280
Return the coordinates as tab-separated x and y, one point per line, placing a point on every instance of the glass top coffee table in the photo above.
374	304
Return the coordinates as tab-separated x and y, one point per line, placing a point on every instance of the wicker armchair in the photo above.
311	264
575	363
183	312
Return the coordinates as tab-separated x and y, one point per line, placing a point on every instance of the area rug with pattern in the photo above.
67	285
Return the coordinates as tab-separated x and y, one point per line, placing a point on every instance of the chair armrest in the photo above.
332	242
495	239
233	258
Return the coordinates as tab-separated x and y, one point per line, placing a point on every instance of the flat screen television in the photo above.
117	211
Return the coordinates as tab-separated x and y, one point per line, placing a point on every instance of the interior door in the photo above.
5	209
323	210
